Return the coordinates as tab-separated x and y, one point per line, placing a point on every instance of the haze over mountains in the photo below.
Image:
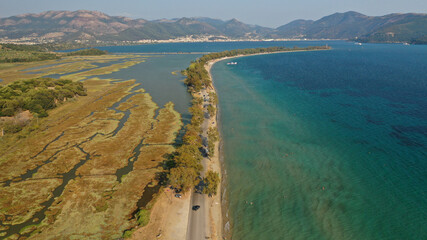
97	26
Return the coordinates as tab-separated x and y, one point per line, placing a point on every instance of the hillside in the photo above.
408	27
97	27
92	25
10	53
294	29
65	25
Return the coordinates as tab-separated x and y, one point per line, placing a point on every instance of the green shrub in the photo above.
211	182
37	95
11	127
143	217
128	233
87	52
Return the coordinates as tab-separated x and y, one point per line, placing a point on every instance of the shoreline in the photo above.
209	64
218	214
176	40
216	218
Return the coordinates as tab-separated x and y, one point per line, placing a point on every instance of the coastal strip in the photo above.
216	218
200	85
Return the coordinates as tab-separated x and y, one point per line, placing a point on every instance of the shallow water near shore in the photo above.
328	144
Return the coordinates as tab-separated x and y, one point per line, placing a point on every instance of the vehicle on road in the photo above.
178	195
204	151
196	207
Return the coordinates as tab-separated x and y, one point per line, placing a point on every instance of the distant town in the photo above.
189	39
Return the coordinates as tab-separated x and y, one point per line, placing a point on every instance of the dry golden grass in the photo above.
168	121
101	71
14	72
74	215
10	72
151	157
65	68
63	163
4	66
21	200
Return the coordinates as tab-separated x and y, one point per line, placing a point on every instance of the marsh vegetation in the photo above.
83	170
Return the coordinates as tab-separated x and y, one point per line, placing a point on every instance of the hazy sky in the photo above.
270	13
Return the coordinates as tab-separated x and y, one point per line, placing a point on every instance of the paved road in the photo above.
198	228
197	219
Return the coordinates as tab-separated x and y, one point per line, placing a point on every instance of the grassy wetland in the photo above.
84	171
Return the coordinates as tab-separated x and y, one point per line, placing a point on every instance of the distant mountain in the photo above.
352	25
217	23
163	30
65	25
410	28
294	29
96	26
92	25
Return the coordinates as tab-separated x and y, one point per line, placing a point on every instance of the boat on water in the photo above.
358	43
232	63
406	44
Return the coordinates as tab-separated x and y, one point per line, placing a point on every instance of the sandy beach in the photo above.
215	207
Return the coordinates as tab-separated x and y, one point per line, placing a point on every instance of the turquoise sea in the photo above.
326	145
316	145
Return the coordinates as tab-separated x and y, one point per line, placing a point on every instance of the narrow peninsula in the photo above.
203	134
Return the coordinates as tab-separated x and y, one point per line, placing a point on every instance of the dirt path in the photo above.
168	220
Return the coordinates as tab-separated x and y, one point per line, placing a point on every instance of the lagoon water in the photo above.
328	144
160	76
317	145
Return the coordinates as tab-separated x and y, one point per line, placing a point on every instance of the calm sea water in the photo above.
326	145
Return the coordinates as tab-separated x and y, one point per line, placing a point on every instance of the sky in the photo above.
268	13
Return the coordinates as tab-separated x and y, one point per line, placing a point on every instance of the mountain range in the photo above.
87	25
410	27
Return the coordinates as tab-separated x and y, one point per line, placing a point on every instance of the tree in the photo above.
213	134
192	136
189	156
197	113
213	98
36	95
213	137
183	178
211	182
211	110
87	52
211	148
